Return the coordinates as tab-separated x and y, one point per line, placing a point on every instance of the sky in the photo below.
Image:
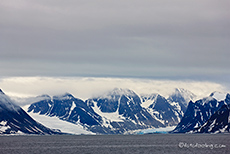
160	39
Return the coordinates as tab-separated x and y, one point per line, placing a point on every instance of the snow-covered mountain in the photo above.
121	110
68	108
14	120
180	99
182	96
219	122
114	112
163	111
198	113
169	111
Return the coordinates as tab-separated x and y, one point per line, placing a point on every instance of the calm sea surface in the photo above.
116	144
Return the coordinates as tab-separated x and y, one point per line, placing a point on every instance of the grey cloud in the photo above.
121	38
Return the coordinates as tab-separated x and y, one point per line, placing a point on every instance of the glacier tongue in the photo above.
56	123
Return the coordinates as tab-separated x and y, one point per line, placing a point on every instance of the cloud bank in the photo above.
84	88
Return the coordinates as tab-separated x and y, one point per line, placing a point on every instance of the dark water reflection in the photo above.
128	144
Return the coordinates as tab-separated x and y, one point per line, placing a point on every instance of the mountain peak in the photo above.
159	97
121	91
183	91
117	92
181	95
148	97
42	97
64	96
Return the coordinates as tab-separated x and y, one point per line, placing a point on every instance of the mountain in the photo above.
121	110
219	122
169	111
199	112
14	120
181	97
115	112
68	108
163	111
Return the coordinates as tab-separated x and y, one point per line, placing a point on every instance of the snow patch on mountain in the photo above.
219	96
111	116
156	115
148	99
71	109
3	126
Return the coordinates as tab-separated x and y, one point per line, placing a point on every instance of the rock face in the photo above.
219	122
115	112
162	110
198	113
14	120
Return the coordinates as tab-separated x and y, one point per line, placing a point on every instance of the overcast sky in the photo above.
171	39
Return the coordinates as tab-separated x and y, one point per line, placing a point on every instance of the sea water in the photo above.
116	144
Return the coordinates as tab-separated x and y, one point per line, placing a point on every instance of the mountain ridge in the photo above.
199	112
116	111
